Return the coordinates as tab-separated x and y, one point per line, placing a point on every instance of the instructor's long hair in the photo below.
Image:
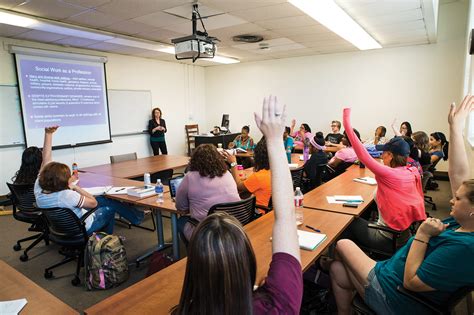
220	271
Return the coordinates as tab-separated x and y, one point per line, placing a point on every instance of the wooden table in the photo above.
161	291
136	168
295	159
342	185
16	286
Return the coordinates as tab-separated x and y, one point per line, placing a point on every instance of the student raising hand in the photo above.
272	121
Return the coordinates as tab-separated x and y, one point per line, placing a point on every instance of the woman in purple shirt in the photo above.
221	267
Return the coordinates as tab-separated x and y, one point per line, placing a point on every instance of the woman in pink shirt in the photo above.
302	136
399	196
346	154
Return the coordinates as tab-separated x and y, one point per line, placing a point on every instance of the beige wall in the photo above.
176	88
415	83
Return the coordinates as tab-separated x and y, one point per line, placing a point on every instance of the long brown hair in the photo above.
55	177
421	140
260	156
207	161
153	113
220	271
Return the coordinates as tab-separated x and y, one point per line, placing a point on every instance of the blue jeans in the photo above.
375	297
104	215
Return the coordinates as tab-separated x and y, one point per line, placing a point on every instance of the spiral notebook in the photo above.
310	240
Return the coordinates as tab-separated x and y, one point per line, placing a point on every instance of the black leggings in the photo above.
157	146
359	232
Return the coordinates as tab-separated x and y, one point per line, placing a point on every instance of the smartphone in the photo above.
351	205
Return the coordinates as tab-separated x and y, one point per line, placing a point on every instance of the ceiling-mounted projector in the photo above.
195	46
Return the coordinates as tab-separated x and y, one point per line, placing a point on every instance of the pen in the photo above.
349	201
361	178
312	228
120	189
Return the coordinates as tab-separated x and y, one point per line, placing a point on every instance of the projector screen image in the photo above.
61	89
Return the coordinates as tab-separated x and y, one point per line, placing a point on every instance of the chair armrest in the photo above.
264	208
419	299
384	228
89	213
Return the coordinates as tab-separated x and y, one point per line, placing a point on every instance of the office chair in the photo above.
191	132
427	176
329	173
123	157
297	177
67	230
243	210
24	210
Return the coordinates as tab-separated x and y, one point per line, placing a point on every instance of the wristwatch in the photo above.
233	164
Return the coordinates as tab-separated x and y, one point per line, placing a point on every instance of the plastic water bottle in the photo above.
147	179
288	154
305	152
159	191
299	206
75	170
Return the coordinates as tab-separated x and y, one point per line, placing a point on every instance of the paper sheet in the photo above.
119	190
12	307
366	180
293	165
310	240
302	157
97	191
356	200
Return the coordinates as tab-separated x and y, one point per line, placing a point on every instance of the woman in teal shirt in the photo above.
435	263
243	141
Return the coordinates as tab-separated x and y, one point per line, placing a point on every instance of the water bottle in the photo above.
299	206
147	179
305	152
288	154
75	170
159	191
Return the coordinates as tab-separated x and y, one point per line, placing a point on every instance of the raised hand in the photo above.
272	121
457	115
51	129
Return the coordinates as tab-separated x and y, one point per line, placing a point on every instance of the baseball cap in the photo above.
396	145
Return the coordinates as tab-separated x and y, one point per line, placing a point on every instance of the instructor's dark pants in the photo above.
157	146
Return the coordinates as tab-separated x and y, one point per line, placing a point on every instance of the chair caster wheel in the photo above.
24	257
76	281
48	274
17	247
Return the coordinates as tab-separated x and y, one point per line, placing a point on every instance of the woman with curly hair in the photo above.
207	183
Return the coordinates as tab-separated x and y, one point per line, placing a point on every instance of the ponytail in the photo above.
445	150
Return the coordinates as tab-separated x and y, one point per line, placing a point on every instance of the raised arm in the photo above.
359	148
458	164
292	127
48	144
272	124
394	128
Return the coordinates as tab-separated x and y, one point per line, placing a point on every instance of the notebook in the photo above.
310	240
174	185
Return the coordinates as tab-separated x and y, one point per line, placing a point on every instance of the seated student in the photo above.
302	136
206	183
335	137
379	137
439	148
421	142
221	266
405	129
288	142
412	159
399	195
243	141
259	183
346	154
318	157
436	262
55	188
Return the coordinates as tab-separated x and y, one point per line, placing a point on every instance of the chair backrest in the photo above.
163	175
243	210
123	157
191	131
297	177
426	177
23	197
64	226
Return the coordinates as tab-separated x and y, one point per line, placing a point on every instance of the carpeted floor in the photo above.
137	242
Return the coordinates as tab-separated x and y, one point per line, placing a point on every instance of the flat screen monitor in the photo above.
225	121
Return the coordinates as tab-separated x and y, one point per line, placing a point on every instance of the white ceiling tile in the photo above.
93	18
303	30
75	42
185	11
274	49
40	36
403	17
160	19
269	43
129	27
328	43
221	21
128	9
282	23
226	33
281	10
234	5
87	3
315	37
10	30
160	35
50	9
8	4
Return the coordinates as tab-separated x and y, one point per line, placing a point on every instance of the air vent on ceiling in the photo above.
247	38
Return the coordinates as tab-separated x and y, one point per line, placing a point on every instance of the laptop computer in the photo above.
174	185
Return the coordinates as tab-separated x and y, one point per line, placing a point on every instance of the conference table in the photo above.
343	184
39	301
136	168
158	293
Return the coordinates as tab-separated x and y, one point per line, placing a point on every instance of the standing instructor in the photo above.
157	130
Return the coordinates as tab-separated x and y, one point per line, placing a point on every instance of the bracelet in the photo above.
418	240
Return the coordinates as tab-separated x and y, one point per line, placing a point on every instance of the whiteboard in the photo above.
129	111
10	116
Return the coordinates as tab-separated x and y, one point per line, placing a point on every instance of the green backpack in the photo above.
105	261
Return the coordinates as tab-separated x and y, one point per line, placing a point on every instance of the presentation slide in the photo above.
67	93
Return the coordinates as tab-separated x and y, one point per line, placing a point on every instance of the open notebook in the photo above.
310	240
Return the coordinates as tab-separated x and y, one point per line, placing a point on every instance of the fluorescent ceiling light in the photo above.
16	20
329	14
218	59
137	44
